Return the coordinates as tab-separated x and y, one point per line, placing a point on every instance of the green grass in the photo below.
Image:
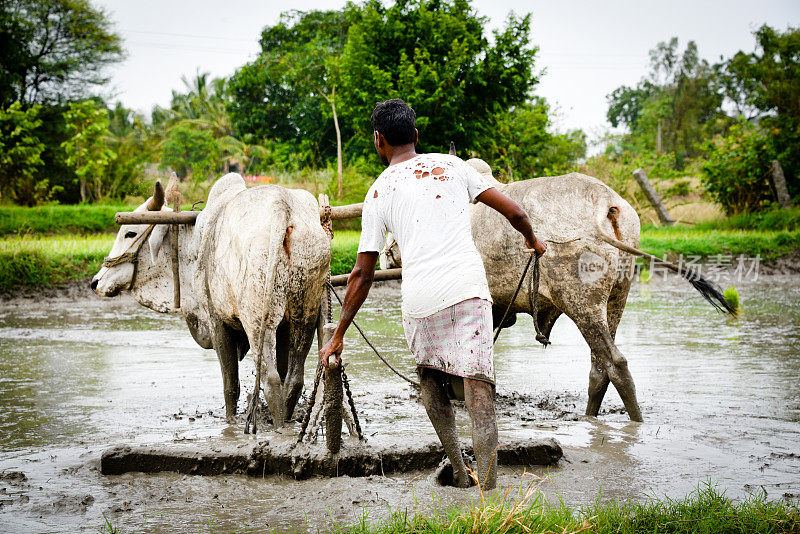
53	220
49	261
776	219
661	241
345	248
526	511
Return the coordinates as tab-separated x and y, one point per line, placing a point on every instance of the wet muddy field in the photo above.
78	375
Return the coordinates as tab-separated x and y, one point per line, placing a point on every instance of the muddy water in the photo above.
721	400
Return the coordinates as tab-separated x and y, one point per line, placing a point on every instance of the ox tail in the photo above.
707	289
279	231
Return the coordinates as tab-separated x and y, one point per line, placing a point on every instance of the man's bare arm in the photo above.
517	216
358	285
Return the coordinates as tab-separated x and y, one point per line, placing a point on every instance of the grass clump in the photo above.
706	510
731	295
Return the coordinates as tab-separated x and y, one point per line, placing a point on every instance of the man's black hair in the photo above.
395	120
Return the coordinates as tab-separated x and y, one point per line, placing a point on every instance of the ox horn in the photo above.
157	201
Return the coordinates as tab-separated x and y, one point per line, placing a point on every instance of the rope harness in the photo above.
128	256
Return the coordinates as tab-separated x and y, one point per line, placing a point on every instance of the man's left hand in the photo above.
332	348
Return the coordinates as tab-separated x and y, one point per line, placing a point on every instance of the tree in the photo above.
190	151
86	148
57	49
675	108
130	138
20	155
287	94
435	56
770	79
524	145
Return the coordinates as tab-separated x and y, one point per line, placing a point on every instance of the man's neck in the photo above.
402	153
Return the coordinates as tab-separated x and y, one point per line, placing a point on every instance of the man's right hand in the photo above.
332	348
539	246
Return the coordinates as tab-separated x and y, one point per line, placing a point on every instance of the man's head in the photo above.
393	123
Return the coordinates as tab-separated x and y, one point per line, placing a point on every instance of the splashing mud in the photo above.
79	375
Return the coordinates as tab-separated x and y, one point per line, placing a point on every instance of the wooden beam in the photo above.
380	276
349	211
156	217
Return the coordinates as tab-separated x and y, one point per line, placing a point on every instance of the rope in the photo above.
533	297
533	301
127	256
311	401
363	335
352	405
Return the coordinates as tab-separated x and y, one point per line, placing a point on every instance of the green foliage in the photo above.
191	152
737	170
131	140
680	97
284	95
86	150
53	50
20	155
774	219
436	57
524	146
769	79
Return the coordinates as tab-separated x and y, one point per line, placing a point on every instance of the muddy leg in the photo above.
479	397
598	384
227	352
608	358
274	392
441	414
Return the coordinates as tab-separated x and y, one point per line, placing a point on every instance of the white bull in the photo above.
252	271
584	273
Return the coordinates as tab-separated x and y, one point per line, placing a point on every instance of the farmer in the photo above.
423	199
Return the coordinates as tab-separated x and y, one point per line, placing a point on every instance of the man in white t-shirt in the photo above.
423	199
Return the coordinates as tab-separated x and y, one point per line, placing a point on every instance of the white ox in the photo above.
582	274
252	272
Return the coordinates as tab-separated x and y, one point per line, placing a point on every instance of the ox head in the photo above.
132	240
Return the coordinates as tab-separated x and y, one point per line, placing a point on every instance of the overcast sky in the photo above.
587	47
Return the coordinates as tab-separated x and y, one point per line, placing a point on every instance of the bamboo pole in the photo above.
349	211
380	276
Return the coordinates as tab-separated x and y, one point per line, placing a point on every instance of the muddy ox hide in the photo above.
253	268
582	276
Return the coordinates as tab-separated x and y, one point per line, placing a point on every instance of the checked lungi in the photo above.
456	340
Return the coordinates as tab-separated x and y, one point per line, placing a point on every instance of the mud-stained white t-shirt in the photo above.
425	202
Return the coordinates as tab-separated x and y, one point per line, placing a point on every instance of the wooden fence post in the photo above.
779	182
652	196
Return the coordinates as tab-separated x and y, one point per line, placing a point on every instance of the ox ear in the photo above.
157	237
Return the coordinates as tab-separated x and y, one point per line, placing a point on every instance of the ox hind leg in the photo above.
227	346
608	364
598	375
297	342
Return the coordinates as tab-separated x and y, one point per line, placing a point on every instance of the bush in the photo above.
736	172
